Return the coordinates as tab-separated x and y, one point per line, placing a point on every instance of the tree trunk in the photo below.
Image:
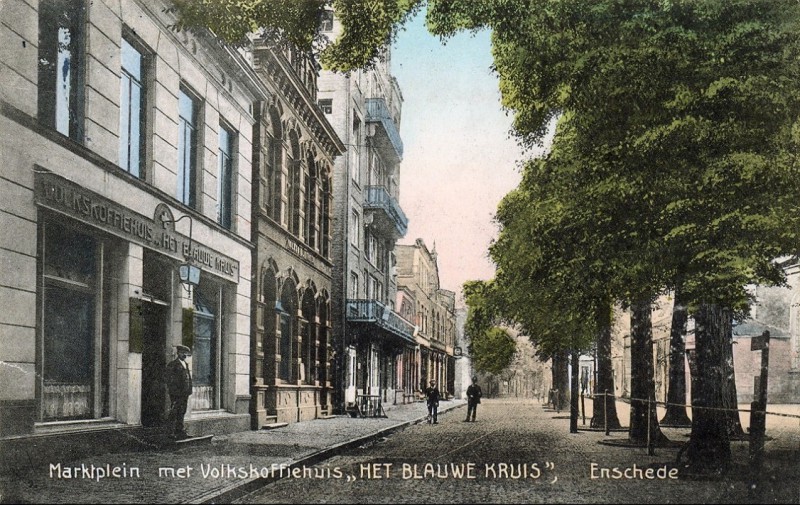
573	415
605	376
709	448
643	389
676	391
730	399
560	391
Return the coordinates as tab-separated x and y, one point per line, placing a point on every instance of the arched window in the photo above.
308	351
268	323
311	205
273	184
295	179
325	212
288	326
323	354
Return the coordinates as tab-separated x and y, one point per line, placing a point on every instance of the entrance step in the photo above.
184	442
272	426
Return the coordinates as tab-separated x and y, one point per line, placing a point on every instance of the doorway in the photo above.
154	394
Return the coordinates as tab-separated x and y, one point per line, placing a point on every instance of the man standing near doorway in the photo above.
179	385
474	394
433	403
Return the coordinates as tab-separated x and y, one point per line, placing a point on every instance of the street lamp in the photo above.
188	272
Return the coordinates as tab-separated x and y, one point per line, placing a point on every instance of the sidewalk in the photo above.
227	467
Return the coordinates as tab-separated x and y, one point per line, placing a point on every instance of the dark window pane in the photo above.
202	351
69	336
60	66
187	140
124	121
225	189
69	255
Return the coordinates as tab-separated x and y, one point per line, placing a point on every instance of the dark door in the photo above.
154	393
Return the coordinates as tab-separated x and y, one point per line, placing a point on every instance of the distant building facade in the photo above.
435	315
370	338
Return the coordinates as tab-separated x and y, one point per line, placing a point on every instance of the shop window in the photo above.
61	66
73	385
206	357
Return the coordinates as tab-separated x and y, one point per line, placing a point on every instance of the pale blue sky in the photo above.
458	158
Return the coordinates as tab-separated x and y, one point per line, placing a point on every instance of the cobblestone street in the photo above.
518	452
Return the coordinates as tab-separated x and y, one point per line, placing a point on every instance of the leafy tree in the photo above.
367	25
692	107
493	351
491	348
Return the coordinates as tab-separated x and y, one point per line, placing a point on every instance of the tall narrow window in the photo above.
355	229
187	148
225	177
326	215
61	62
352	289
355	151
311	205
131	110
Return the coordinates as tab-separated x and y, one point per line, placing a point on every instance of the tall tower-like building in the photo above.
370	339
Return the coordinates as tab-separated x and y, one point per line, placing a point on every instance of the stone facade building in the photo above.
435	315
370	338
126	170
295	146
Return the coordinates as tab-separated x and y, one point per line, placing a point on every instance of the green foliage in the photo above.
367	25
493	351
490	347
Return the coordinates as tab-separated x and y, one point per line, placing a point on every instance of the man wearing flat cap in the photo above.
179	385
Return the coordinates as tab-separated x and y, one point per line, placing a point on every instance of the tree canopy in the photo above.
367	26
491	348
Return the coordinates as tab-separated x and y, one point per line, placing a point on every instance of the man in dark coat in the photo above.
179	385
474	394
433	403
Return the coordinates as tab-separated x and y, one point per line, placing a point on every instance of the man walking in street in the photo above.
179	385
474	394
433	402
